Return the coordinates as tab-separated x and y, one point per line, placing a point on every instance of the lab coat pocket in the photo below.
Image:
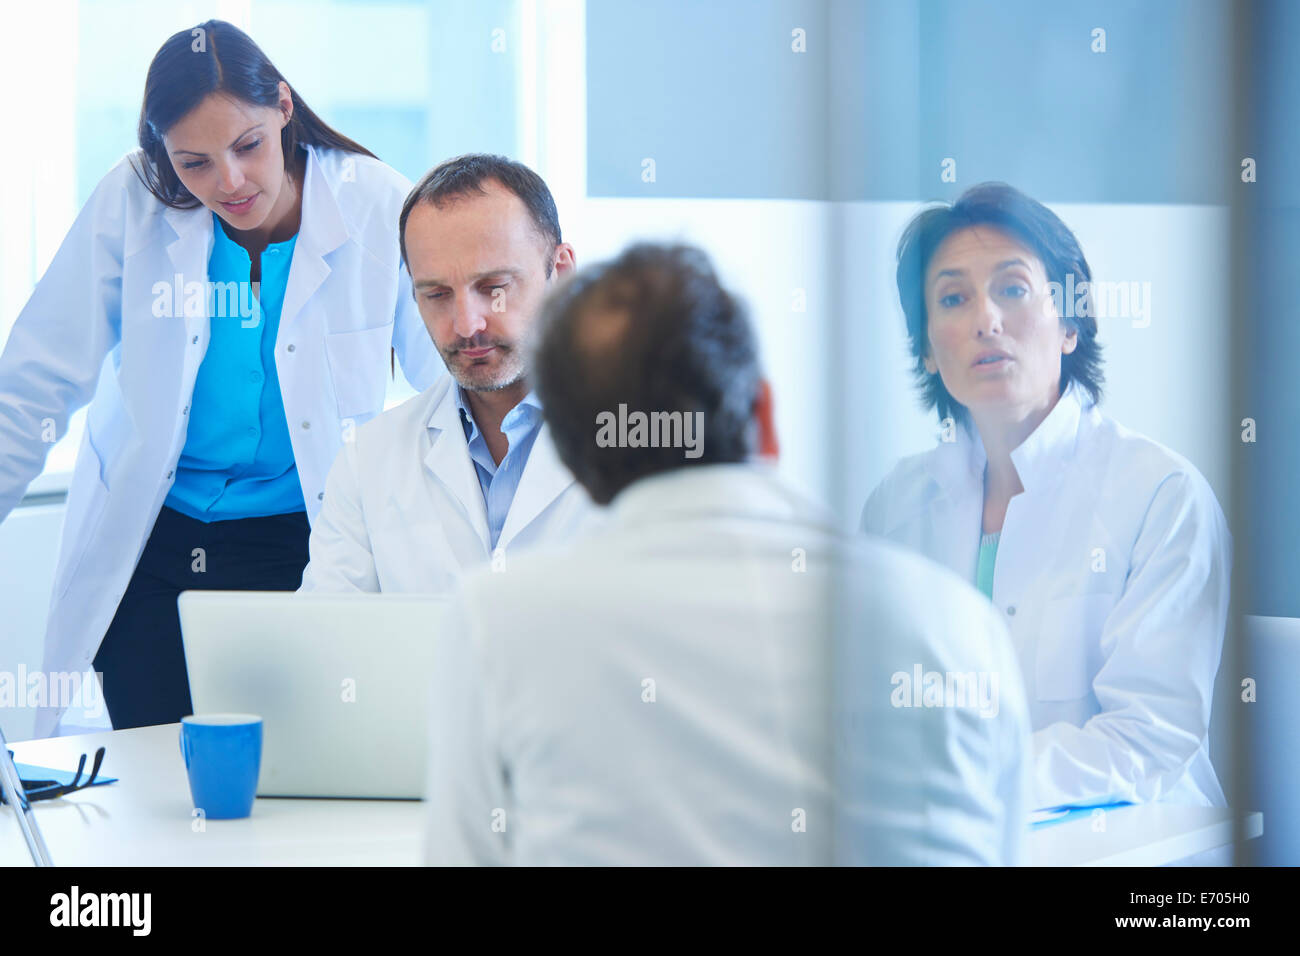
359	366
1069	645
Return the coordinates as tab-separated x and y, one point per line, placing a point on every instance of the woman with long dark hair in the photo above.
230	296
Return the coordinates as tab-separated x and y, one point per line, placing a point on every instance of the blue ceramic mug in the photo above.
223	755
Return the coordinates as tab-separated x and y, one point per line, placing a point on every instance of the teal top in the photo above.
237	461
988	555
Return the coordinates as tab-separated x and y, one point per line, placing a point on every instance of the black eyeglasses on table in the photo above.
53	789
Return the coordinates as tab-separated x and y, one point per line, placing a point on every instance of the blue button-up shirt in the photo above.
237	461
499	482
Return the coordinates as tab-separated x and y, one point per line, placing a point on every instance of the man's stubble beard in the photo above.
509	373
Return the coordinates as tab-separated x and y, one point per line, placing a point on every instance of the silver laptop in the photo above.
341	682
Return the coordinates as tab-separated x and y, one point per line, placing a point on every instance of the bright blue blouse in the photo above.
237	461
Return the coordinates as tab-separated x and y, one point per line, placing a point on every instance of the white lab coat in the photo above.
666	691
404	511
92	325
1112	574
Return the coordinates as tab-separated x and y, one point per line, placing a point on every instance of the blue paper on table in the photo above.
27	772
1055	815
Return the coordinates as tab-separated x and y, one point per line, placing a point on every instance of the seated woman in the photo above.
1106	553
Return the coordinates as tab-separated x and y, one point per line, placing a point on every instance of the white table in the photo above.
145	819
1150	834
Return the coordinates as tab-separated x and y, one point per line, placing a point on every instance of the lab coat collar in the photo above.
544	479
1039	459
1043	456
322	230
189	252
750	489
448	458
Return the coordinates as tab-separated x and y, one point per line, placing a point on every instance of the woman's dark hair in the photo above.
216	57
1030	222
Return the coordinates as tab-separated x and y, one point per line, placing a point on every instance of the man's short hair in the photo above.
465	175
655	332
